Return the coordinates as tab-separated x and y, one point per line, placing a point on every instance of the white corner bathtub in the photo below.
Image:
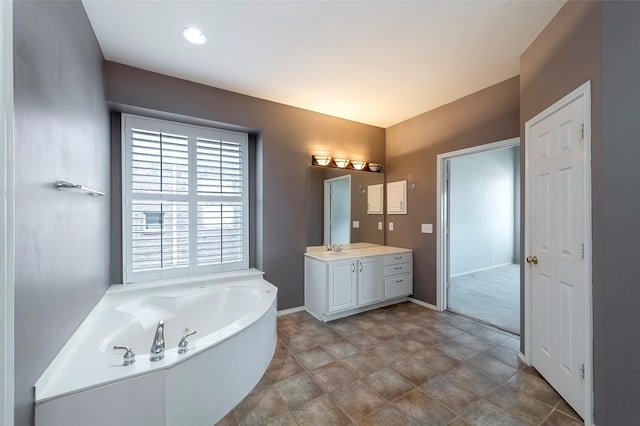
235	323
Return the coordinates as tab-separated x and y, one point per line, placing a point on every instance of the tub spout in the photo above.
157	348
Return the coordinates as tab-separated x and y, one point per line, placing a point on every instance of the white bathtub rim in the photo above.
46	388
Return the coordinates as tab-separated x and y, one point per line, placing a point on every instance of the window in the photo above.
185	200
153	221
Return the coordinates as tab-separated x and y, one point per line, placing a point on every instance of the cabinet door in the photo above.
371	287
397	197
374	199
342	285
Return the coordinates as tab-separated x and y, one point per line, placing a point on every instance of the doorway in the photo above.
337	210
478	231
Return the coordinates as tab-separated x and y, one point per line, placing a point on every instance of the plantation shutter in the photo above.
185	200
221	215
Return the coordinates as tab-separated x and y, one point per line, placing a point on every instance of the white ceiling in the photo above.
376	62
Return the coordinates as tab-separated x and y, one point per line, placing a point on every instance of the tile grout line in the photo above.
391	316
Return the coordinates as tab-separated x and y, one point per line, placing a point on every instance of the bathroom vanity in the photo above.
358	278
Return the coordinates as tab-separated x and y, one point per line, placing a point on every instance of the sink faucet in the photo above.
157	348
335	247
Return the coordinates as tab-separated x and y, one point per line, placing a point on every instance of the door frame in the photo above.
6	215
583	91
442	242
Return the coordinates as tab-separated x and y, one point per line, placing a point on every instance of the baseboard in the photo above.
290	310
425	304
522	358
359	309
486	268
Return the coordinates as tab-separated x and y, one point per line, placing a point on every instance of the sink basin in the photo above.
344	253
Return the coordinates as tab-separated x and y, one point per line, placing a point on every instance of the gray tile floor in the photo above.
399	365
491	296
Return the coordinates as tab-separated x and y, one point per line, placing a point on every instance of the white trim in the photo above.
486	268
441	240
290	311
359	309
425	304
585	92
7	215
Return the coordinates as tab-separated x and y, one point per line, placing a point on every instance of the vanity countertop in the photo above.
352	251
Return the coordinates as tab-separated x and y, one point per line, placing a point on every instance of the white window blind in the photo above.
185	200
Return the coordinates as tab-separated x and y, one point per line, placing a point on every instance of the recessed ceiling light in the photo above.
194	35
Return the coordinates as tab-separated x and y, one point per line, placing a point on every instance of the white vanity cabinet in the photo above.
398	275
341	284
370	289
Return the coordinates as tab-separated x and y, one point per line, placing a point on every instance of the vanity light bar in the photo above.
343	163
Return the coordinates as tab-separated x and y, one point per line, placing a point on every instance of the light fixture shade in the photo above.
358	165
322	160
374	167
342	163
194	35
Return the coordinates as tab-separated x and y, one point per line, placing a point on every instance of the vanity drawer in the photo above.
398	286
392	259
401	268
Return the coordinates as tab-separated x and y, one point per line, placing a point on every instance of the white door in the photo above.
558	227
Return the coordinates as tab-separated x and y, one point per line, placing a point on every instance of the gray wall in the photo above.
61	132
566	54
481	210
598	41
615	281
486	116
286	137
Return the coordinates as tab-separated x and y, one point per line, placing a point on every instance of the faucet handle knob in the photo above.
183	346
129	355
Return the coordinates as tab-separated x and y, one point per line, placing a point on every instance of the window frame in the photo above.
192	132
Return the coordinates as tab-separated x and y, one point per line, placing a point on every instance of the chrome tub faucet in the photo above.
157	348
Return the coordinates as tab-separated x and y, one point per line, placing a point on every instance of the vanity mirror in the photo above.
347	205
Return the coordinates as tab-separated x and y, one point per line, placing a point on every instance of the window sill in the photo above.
187	281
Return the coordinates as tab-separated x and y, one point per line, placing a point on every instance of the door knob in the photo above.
532	259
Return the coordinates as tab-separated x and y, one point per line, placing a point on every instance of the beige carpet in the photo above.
491	296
